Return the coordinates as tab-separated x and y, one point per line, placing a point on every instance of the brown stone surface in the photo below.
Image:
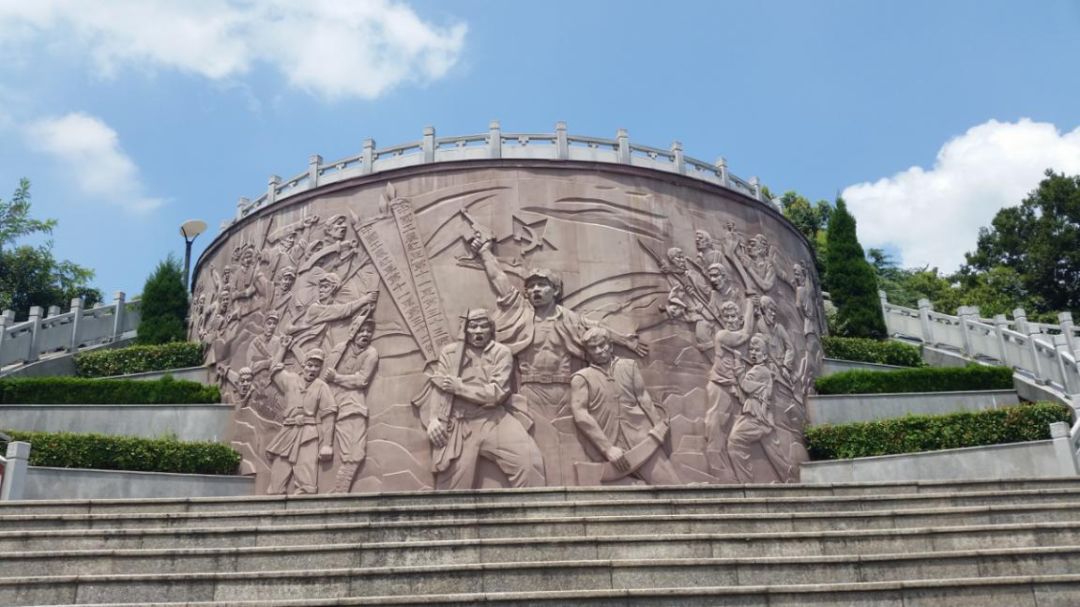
672	268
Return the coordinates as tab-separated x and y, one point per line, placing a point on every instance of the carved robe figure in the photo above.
547	339
612	408
465	411
358	360
307	428
721	391
755	422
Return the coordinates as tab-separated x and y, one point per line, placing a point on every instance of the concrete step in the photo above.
200	553
536	496
571	581
336	529
270	513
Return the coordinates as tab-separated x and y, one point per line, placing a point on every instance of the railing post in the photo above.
966	313
76	322
428	144
924	321
271	188
562	144
53	311
495	139
1063	451
677	154
1000	325
1065	319
722	173
623	139
1062	346
755	183
367	157
1020	317
5	320
883	299
1023	326
314	167
15	469
118	315
35	333
241	204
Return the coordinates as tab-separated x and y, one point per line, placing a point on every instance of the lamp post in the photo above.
189	230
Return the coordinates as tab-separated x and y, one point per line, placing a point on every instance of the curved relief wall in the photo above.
493	324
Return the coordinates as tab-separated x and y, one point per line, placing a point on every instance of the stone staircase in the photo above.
982	543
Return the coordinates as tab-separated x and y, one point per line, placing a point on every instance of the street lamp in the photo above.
189	230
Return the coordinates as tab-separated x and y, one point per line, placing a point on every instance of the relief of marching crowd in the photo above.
301	305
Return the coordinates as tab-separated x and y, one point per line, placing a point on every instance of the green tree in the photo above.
1039	241
30	275
850	279
810	219
164	304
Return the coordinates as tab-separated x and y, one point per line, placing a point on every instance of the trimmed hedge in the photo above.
917	433
872	351
100	452
139	359
927	379
79	390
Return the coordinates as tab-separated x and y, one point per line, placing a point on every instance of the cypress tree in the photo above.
850	279
164	305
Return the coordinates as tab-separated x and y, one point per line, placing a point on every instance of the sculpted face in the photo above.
245	383
364	335
478	332
677	258
729	315
800	275
702	240
541	292
759	246
769	310
326	290
286	282
337	231
312	369
675	310
756	350
289	240
270	326
599	350
717	277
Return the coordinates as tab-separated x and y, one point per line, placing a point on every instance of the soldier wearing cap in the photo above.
358	360
307	432
466	411
547	340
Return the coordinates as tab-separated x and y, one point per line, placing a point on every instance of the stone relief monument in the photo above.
499	321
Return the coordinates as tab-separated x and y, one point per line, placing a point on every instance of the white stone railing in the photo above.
1046	353
27	341
493	145
13	468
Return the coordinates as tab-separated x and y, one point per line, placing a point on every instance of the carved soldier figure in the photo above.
289	245
781	351
260	354
465	411
547	340
755	422
759	261
680	273
612	408
721	390
356	361
307	432
242	383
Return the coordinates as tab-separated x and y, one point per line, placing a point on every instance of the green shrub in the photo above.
138	359
164	305
850	279
872	351
916	433
78	390
69	450
926	379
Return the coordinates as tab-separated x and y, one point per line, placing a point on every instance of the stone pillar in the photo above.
1059	433
53	311
562	144
118	315
677	154
755	184
76	322
35	333
623	138
241	205
495	139
427	144
271	188
924	321
1022	326
1020	317
966	314
721	172
1062	347
314	167
5	320
367	157
1000	325
1065	319
15	470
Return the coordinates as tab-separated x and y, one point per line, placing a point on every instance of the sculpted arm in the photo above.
327	416
360	379
496	276
493	391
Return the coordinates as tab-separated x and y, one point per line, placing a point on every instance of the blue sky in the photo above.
130	117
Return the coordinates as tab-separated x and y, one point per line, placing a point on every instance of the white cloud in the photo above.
89	150
933	216
330	48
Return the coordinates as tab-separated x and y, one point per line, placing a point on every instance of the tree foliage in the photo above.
850	279
30	275
810	219
164	304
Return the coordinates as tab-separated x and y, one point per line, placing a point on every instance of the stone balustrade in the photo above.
41	334
496	144
13	466
1045	353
